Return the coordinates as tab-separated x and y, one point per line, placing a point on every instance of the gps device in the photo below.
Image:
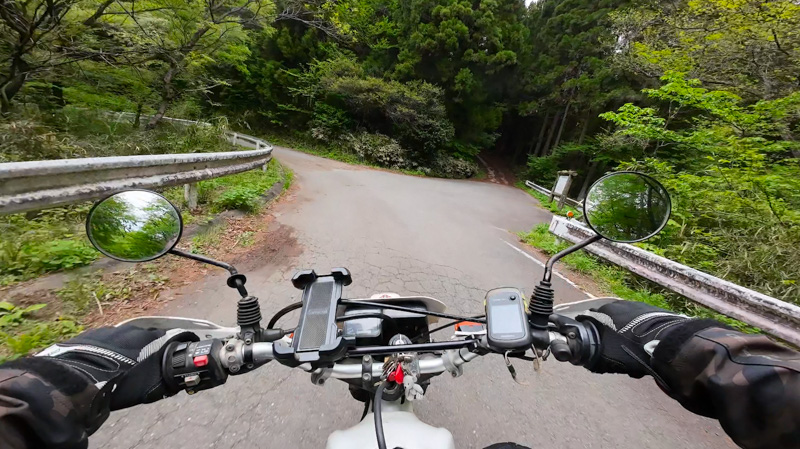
507	324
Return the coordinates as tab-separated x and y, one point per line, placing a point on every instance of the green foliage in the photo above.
733	177
51	241
11	315
749	47
241	191
71	132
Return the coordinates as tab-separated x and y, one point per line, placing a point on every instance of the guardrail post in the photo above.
190	194
235	136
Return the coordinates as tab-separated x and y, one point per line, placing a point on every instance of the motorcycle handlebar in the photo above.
206	364
451	360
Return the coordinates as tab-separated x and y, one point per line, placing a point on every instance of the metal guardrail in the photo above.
774	316
26	186
548	192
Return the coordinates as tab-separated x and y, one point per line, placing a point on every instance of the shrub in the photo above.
451	167
244	198
51	241
378	149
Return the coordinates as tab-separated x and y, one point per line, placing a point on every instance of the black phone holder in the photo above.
317	339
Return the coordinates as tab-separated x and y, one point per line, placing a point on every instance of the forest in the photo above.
703	95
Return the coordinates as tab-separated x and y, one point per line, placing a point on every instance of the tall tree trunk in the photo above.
175	64
585	128
58	94
138	118
553	126
588	180
518	151
167	95
561	128
11	84
539	140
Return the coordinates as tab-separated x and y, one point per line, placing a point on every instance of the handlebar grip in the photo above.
193	366
582	344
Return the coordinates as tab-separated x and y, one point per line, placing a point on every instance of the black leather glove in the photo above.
124	361
625	328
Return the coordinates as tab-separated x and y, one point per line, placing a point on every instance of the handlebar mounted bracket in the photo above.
317	339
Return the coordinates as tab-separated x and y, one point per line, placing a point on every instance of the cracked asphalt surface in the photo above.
442	238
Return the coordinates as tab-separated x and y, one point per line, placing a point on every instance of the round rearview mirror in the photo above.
627	207
134	226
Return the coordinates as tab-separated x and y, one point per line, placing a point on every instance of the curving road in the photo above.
449	239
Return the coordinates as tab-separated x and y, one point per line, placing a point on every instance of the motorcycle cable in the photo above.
350	302
376	411
367	405
446	325
280	313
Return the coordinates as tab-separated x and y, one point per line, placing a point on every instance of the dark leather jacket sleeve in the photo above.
748	382
46	405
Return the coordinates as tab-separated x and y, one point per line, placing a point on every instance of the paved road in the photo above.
449	239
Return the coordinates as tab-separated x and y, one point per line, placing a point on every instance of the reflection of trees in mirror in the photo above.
627	207
134	225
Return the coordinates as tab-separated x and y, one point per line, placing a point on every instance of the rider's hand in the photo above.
128	357
625	328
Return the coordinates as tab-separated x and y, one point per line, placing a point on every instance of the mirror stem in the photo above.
204	259
548	267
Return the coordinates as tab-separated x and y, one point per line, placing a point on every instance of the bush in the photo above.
378	149
54	240
72	133
343	96
451	167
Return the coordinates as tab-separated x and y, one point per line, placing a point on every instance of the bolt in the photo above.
321	381
366	377
234	368
232	358
366	358
248	341
250	366
454	374
229	347
571	335
190	391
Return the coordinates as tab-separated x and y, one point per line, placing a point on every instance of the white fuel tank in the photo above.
401	428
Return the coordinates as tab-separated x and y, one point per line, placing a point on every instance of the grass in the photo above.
246	239
620	283
241	191
207	239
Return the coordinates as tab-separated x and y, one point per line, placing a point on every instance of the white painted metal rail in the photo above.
776	317
26	186
546	191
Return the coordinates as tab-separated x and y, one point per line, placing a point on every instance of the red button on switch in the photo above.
201	360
